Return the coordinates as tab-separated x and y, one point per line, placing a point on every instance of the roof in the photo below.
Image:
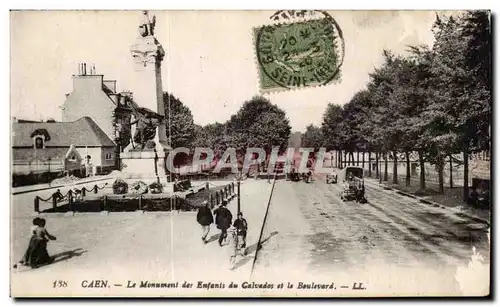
28	154
106	89
82	132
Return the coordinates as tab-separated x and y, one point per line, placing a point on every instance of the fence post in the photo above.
54	202
95	189
83	191
140	202
207	186
37	204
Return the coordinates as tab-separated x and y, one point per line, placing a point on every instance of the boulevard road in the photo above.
391	240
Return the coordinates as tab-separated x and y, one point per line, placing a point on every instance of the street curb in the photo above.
405	194
436	205
60	186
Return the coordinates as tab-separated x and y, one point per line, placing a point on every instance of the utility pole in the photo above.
238	184
239	198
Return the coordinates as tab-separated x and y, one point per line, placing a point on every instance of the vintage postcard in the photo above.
292	153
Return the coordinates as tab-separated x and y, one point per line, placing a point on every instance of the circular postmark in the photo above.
300	53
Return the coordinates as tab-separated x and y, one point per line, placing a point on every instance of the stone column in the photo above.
147	88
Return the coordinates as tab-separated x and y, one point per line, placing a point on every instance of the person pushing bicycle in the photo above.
241	226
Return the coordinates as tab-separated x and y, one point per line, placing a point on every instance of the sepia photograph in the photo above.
250	153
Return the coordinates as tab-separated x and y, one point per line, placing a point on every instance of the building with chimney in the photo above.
97	98
94	130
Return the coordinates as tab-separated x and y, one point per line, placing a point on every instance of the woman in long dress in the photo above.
25	258
37	254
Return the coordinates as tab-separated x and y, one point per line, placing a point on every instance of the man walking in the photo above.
223	219
205	218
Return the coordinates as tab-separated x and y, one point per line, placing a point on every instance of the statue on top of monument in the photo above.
147	27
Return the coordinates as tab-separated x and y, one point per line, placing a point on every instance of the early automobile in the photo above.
353	184
332	177
293	175
307	176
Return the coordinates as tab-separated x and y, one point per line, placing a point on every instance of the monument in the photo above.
145	157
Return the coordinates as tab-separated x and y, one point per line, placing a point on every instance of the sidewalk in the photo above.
445	201
155	246
46	186
193	259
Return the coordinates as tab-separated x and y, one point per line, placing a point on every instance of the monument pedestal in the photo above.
147	166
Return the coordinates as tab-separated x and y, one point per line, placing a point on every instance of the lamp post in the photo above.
238	182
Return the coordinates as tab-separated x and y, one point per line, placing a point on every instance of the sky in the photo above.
210	63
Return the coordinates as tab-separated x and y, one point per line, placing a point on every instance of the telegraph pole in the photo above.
239	198
238	183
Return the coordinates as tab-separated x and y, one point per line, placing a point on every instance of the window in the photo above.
109	156
39	142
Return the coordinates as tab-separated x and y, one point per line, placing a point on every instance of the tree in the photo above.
181	123
476	117
295	140
313	138
331	129
213	136
462	70
383	132
258	123
410	98
418	95
354	116
435	101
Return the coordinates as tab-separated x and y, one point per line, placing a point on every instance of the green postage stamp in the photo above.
301	54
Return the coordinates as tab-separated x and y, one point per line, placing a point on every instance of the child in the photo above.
42	233
241	226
